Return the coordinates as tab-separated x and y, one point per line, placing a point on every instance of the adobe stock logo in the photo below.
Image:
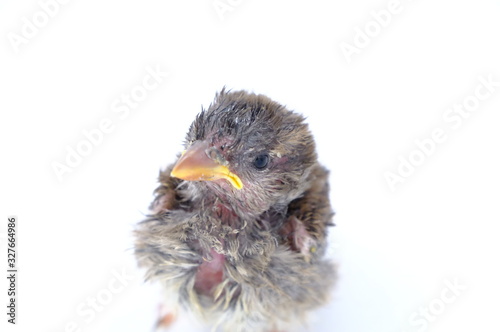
39	20
380	20
94	137
222	7
453	116
429	313
89	309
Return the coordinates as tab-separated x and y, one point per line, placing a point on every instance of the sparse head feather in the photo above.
245	125
244	116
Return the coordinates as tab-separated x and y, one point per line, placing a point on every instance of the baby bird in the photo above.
238	228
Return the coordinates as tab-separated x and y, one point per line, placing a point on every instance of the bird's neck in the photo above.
241	215
225	204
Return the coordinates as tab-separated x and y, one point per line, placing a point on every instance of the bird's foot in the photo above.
165	318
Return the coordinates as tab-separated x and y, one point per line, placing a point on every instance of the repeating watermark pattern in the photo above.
379	20
95	136
89	308
454	117
30	28
427	314
222	7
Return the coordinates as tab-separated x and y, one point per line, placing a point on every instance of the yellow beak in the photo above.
196	165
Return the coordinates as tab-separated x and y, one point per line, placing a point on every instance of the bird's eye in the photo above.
261	161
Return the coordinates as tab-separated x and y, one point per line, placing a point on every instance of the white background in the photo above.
396	249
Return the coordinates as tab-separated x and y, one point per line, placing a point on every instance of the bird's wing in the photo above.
309	216
166	197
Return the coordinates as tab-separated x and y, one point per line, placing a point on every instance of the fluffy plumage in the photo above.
242	246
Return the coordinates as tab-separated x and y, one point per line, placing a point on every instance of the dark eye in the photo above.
261	161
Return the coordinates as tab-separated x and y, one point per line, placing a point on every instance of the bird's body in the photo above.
238	227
